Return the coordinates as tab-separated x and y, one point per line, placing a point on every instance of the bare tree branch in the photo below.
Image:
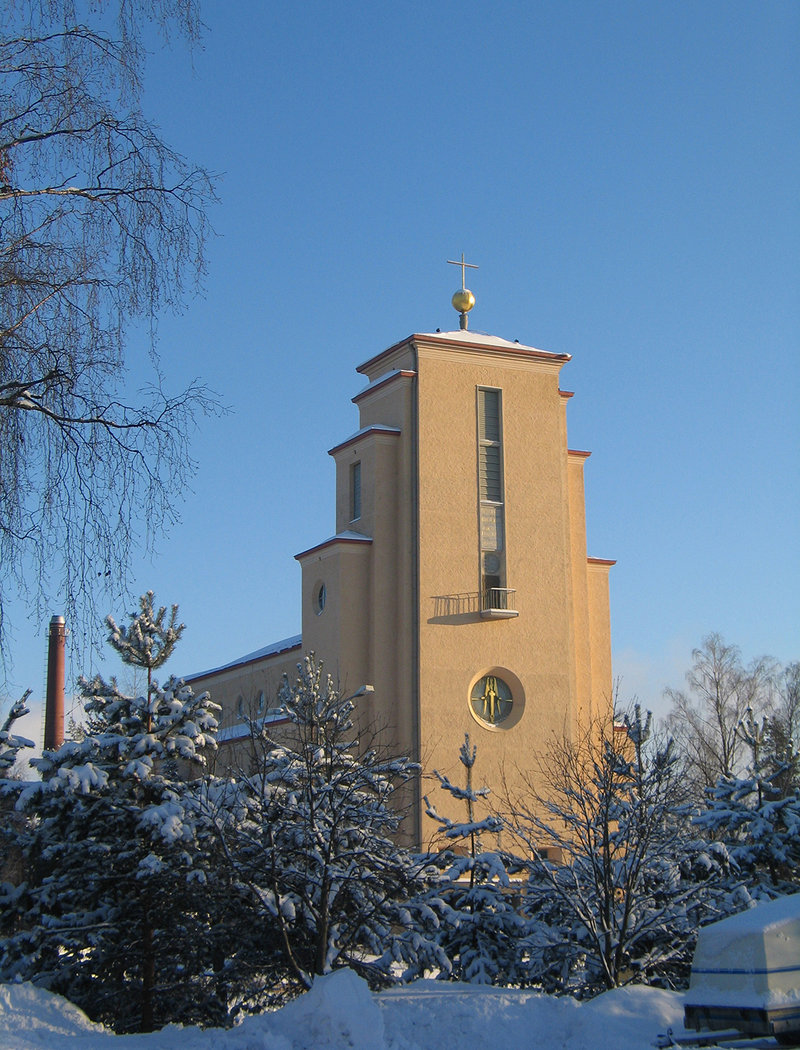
101	225
705	717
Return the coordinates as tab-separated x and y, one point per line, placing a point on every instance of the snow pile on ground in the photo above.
340	1013
30	1017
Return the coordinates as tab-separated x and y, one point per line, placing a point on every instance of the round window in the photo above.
491	700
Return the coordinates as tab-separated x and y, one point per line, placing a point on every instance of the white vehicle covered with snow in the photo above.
746	973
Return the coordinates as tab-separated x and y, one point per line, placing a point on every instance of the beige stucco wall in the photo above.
536	646
339	635
603	690
239	689
581	712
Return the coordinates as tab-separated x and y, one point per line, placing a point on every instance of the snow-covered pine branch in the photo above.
125	907
316	839
481	930
10	743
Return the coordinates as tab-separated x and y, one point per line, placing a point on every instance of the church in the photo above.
455	594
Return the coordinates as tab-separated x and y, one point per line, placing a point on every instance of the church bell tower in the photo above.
457	582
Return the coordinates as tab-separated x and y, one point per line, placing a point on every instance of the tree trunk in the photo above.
148	974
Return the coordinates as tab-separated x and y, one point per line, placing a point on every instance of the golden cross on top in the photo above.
463	265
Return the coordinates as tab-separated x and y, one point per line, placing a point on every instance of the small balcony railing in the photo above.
498	603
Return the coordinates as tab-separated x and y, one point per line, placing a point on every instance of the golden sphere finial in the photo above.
463	300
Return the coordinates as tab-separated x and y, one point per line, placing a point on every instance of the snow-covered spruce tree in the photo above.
120	908
313	837
148	642
11	861
10	743
618	883
757	815
481	931
783	728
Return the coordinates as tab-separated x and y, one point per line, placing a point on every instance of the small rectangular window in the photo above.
355	491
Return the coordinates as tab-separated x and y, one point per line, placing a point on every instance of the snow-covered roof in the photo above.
765	918
347	536
387	377
274	649
471	336
242	729
373	428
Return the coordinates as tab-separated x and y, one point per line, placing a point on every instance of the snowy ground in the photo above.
341	1014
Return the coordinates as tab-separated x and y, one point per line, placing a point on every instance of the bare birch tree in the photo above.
102	226
705	717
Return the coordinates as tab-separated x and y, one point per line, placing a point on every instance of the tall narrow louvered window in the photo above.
490	498
355	491
491	481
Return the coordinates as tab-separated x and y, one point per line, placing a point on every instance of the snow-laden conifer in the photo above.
481	930
119	909
757	815
10	743
148	641
312	830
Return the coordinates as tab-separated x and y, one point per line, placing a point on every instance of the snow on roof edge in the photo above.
381	428
283	646
241	730
348	536
474	335
382	380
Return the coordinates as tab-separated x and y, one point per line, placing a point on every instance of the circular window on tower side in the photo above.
491	700
319	597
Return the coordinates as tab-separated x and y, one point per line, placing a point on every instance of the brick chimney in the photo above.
54	706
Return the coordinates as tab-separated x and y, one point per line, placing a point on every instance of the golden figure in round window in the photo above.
491	699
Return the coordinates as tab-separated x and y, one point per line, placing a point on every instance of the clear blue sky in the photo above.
626	176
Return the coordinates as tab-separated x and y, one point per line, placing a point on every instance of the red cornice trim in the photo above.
578	452
361	436
362	368
567	393
331	542
383	381
601	561
456	344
